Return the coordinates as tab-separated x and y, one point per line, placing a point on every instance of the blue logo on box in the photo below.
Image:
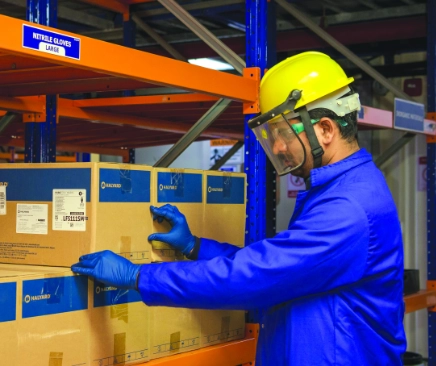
8	300
51	42
108	295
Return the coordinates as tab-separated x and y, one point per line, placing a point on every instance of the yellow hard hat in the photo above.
314	73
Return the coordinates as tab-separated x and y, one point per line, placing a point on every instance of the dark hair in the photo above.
348	132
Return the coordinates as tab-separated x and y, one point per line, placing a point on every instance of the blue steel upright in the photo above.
40	137
260	52
129	40
431	173
261	180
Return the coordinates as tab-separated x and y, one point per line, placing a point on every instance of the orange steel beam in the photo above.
420	300
23	104
431	139
141	100
112	59
92	149
225	354
20	157
107	83
113	5
130	2
44	74
76	148
67	109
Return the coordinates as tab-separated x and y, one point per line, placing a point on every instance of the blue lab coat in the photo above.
329	288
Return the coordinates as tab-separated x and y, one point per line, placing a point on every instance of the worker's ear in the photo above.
326	130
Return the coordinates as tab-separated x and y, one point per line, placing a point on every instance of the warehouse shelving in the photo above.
241	352
37	73
27	74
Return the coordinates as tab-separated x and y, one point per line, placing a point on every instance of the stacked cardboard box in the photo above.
51	214
54	213
182	188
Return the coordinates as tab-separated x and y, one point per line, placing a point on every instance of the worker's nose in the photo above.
279	146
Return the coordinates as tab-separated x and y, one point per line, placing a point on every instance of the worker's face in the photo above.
289	148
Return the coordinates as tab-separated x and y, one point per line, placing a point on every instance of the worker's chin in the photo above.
299	172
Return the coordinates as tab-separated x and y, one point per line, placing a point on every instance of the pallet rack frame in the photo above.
245	92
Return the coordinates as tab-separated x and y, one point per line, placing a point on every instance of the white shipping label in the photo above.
2	200
69	209
32	219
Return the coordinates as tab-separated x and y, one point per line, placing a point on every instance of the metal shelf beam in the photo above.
133	64
240	352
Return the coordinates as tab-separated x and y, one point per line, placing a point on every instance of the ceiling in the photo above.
370	28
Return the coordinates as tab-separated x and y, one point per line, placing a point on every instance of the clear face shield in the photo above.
281	143
280	139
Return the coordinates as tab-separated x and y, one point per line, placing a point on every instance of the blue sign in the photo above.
51	42
361	113
409	115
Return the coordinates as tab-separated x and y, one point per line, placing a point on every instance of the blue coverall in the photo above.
329	288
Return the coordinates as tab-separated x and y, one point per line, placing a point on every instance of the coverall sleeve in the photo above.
324	249
210	249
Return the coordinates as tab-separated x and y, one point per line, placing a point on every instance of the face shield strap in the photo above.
317	151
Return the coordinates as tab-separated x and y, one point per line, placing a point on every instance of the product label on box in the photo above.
8	297
179	187
225	190
2	200
69	209
108	295
54	295
32	219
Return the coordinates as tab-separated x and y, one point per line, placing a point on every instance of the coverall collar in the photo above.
329	172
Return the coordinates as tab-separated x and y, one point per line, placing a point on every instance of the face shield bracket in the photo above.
286	106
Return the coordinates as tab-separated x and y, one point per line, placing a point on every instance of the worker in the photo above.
329	288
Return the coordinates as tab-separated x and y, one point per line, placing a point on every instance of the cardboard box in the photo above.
220	326
181	188
119	326
52	317
54	213
224	207
44	316
173	330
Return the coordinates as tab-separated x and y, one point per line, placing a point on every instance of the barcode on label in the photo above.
2	200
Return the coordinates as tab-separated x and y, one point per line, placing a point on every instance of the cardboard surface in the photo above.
52	317
119	326
220	326
173	330
44	318
57	212
181	188
224	207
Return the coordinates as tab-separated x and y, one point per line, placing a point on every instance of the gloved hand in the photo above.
109	268
179	236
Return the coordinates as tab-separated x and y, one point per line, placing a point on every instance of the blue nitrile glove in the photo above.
109	268
179	236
